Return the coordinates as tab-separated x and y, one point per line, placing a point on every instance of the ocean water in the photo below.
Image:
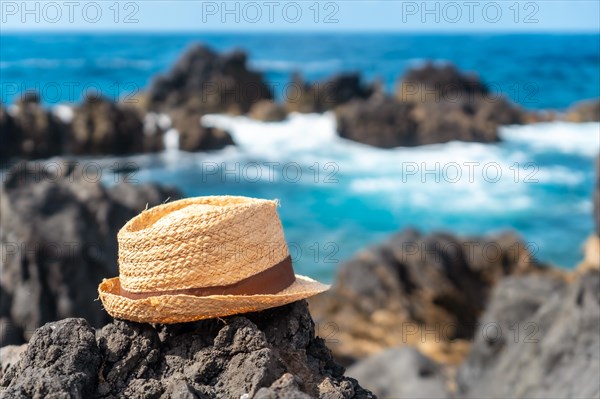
537	71
338	196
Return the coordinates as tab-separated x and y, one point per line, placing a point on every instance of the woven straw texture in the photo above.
199	242
204	241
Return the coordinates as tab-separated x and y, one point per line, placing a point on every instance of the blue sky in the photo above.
299	15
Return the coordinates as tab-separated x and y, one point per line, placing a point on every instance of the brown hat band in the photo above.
269	281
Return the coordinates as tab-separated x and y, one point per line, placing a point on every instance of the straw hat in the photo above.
203	257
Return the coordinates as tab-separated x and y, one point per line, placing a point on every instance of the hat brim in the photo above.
169	309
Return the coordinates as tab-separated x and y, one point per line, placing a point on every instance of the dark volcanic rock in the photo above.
58	234
432	105
10	334
204	82
271	354
31	132
401	373
438	82
208	82
386	123
379	121
477	120
325	95
455	106
195	137
549	346
61	361
396	292
285	387
98	127
8	136
101	127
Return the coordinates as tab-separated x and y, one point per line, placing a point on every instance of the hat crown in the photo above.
200	242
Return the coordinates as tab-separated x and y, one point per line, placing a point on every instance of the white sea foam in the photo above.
64	113
578	139
155	122
298	136
171	140
164	121
454	177
558	175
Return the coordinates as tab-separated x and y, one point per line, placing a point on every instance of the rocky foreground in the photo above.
271	354
537	338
